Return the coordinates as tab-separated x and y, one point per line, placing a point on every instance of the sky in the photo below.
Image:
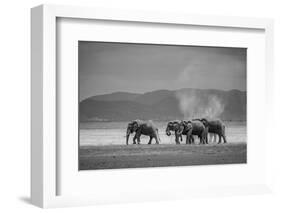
138	68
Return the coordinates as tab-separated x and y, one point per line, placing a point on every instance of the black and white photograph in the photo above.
155	105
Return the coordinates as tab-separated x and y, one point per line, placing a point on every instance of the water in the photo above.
111	133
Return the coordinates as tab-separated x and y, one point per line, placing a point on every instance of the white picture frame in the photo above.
44	149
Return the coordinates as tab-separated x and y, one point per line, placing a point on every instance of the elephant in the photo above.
195	128
215	126
142	128
177	127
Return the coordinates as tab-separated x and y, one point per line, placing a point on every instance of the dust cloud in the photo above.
195	105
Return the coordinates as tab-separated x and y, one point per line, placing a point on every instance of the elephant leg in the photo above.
219	139
200	141
187	140
177	138
134	139
189	136
215	138
137	136
157	139
224	139
181	137
205	138
191	140
156	136
150	139
205	135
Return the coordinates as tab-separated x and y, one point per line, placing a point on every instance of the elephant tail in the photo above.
223	130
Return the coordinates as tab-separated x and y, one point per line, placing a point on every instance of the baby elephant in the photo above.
142	128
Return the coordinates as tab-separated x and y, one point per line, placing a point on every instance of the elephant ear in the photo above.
135	124
178	124
205	122
173	123
182	125
179	127
188	124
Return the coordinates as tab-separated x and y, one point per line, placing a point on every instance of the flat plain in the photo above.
163	155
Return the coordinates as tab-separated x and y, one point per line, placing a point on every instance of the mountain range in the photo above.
163	105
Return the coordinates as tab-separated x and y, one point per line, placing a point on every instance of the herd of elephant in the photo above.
195	127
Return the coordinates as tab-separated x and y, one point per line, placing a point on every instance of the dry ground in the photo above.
138	156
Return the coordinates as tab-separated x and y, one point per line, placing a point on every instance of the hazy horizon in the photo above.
106	68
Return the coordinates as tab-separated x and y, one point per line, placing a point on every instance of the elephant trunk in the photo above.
168	133
127	136
180	130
